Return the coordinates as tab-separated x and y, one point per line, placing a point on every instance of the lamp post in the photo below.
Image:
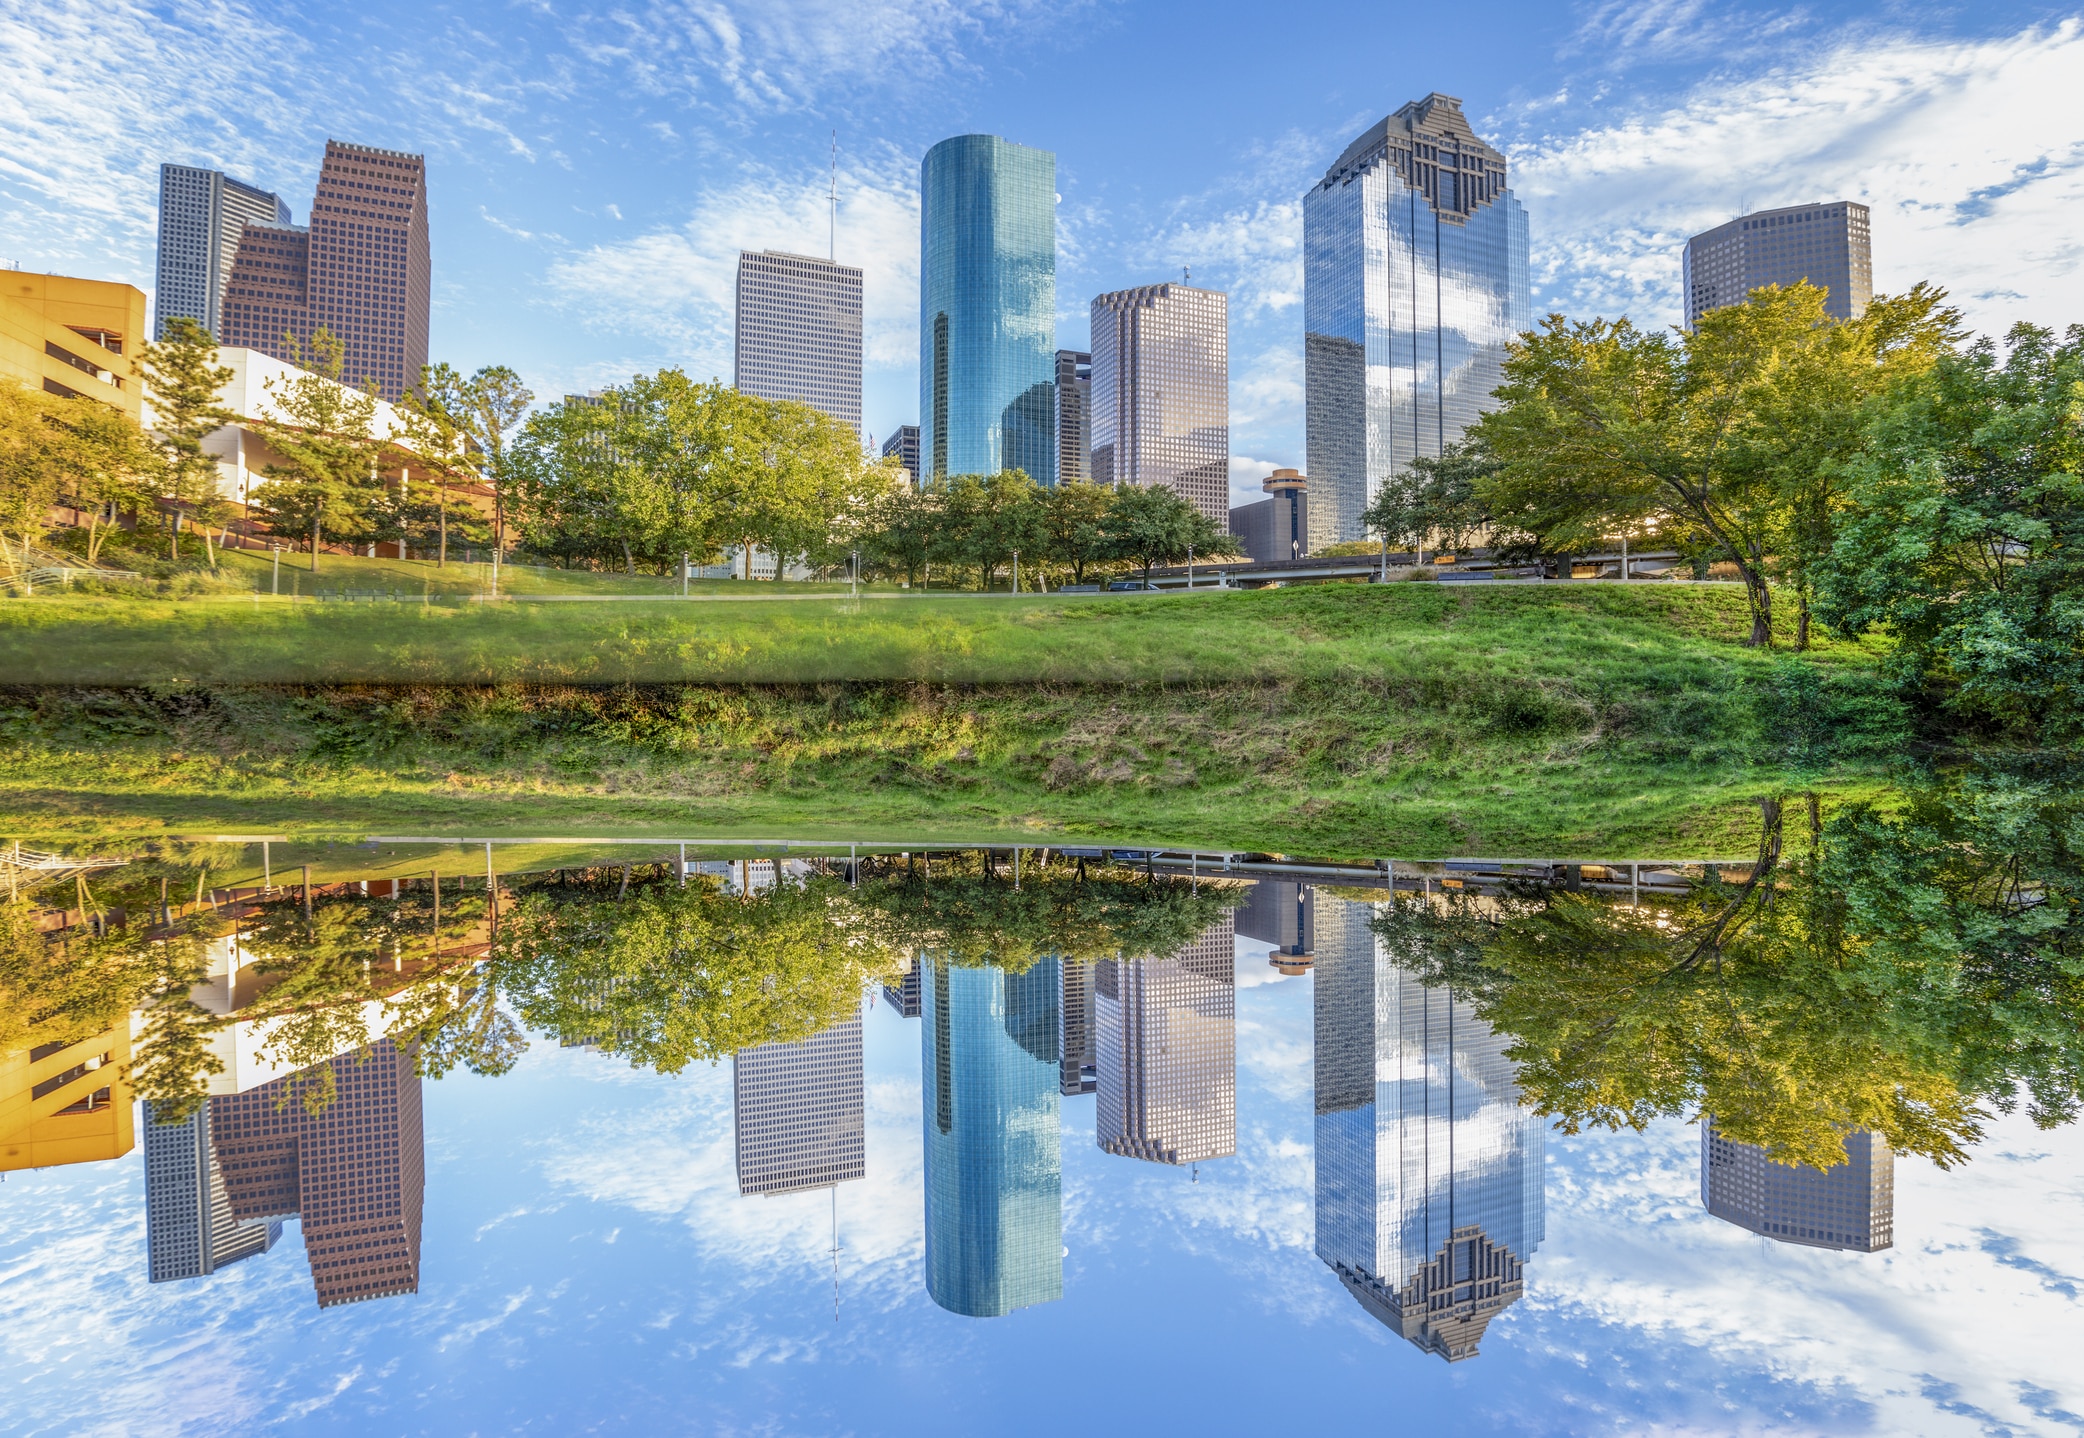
1016	571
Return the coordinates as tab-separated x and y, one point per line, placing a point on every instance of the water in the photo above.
1124	1152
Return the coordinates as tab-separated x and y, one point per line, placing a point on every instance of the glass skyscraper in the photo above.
987	309
994	1177
1414	278
1429	1199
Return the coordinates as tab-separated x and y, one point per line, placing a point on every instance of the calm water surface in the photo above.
1279	1172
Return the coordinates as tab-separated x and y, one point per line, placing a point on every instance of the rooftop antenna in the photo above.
835	1253
1187	274
832	241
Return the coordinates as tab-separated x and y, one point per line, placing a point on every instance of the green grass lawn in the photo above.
416	576
1345	720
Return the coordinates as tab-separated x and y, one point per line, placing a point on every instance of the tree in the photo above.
182	381
900	529
489	405
1150	525
1074	525
324	432
990	518
438	430
561	480
1962	534
107	465
1435	503
51	446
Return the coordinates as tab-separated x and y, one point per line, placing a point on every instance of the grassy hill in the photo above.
1411	719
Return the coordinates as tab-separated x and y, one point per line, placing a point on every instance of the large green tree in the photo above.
324	432
182	382
1074	526
1149	525
1435	502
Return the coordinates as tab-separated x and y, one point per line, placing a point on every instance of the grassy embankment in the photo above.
1411	719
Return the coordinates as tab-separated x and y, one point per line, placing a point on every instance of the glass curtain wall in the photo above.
987	308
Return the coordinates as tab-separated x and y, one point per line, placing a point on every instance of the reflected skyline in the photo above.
190	1229
1850	1206
1429	1170
1166	1040
994	1172
797	1116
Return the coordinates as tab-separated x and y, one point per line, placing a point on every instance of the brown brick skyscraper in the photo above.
361	270
356	1172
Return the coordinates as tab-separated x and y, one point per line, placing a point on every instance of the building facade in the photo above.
1077	1058
987	309
355	1172
1851	1205
73	337
1165	1034
1280	914
1277	527
994	1175
1827	244
797	1111
903	995
362	271
1414	278
201	216
1161	393
1429	1194
904	445
799	333
190	1229
1074	404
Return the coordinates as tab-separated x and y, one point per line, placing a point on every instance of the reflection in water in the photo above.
1429	1199
1167	1052
190	1229
1278	913
994	1184
1851	1205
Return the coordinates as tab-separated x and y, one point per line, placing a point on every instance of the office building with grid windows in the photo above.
903	445
201	216
1166	1043
1077	1058
994	1174
1414	279
1161	393
354	1173
797	1110
1429	1194
987	309
903	996
1827	244
362	271
799	332
1074	405
190	1230
1851	1205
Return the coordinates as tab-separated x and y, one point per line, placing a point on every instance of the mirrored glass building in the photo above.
1414	278
987	309
1429	1170
994	1176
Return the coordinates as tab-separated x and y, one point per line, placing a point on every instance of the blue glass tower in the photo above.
1429	1199
1414	278
987	309
994	1191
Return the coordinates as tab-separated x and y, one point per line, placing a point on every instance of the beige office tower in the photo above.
1827	244
1161	393
1850	1205
799	333
1165	1032
799	1113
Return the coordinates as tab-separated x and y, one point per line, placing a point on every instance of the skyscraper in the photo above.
201	213
1074	402
362	271
1077	1059
799	332
1429	1200
797	1110
904	443
1277	527
904	994
1849	1205
1827	244
987	308
1166	1039
994	1179
189	1226
1280	912
1161	393
1414	278
355	1172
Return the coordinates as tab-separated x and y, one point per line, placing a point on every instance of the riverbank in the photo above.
1338	721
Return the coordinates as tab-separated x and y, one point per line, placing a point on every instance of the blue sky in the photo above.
588	1266
595	168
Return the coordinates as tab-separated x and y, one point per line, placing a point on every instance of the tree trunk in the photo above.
173	537
629	564
93	546
314	544
1802	621
441	555
1761	599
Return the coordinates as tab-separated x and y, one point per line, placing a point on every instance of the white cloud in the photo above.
1971	155
679	286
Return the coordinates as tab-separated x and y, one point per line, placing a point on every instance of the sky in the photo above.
588	1266
594	169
